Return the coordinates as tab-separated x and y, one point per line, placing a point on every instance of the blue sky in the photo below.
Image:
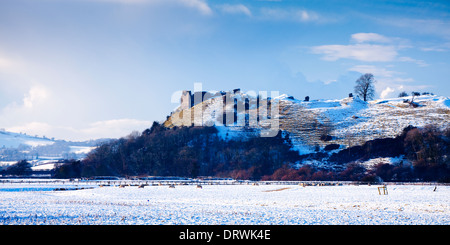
82	69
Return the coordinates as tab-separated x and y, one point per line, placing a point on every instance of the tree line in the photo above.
184	151
200	151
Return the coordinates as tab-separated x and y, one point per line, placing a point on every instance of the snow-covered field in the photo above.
224	204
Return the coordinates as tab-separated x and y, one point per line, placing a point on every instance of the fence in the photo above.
159	182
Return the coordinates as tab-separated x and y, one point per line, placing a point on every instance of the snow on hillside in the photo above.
349	121
13	140
81	149
386	118
40	151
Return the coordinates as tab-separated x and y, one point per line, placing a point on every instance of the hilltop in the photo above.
314	124
14	140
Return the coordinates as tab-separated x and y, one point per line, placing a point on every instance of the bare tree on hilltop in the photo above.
365	86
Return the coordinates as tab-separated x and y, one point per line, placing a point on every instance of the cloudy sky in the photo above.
85	69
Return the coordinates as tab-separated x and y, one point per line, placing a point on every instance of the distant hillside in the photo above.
14	140
40	150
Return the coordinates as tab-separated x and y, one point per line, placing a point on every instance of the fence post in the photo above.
384	188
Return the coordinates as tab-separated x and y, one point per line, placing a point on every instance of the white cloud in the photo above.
6	64
364	52
361	52
370	37
390	89
35	95
369	47
433	49
386	92
9	64
441	47
124	1
409	59
307	16
235	9
296	15
199	5
376	71
435	27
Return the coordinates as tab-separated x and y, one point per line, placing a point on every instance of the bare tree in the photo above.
364	86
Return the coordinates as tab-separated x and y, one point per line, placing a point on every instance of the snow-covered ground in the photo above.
225	204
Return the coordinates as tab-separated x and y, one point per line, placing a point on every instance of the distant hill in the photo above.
40	150
14	140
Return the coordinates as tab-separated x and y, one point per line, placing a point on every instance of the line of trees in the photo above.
405	94
184	151
353	171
